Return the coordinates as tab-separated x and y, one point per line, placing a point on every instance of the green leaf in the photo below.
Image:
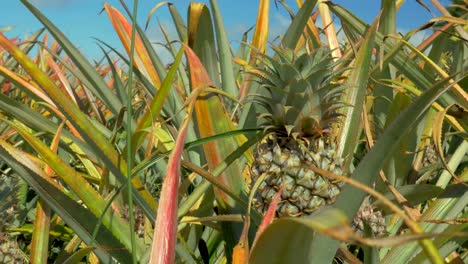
371	254
210	109
94	138
81	220
448	205
94	202
414	193
382	94
447	208
201	39
294	31
350	199
36	121
156	104
289	240
447	244
99	86
178	23
228	82
400	165
26	47
396	55
165	229
118	83
354	96
78	255
458	156
40	239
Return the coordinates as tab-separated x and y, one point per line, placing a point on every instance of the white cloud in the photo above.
278	25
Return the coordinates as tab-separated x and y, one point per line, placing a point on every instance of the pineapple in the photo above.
9	248
371	216
8	202
300	98
10	252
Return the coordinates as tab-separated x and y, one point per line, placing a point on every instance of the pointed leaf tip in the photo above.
165	230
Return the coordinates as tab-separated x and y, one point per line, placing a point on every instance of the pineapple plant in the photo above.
301	102
301	94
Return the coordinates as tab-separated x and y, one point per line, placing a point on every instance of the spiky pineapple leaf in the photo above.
296	28
350	199
150	14
142	60
437	138
228	82
156	105
450	205
165	230
81	220
414	193
94	138
202	41
447	244
178	23
78	255
213	119
40	239
354	96
38	122
75	181
26	47
99	87
397	56
399	165
381	92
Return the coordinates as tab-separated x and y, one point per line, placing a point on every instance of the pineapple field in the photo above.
339	141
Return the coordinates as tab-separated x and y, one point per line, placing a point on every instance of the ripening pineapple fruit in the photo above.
300	99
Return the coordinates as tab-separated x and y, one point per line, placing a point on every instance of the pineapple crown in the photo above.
302	94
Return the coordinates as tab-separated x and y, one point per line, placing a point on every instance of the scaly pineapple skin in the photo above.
372	217
285	161
9	249
10	252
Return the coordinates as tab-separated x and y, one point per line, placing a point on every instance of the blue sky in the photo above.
80	19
